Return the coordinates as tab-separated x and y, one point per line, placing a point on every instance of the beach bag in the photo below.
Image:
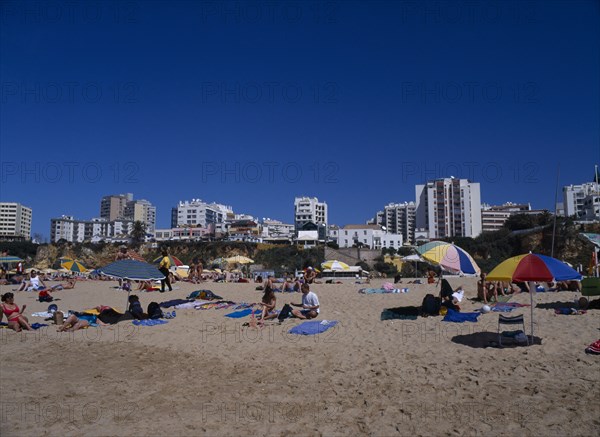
284	313
594	348
154	311
431	305
58	317
44	296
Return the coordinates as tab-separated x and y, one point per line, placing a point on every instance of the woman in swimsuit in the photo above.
15	317
269	301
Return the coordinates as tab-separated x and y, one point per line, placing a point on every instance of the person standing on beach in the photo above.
164	266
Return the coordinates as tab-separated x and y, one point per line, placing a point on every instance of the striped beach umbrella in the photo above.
173	259
334	264
74	266
532	268
10	259
449	257
132	270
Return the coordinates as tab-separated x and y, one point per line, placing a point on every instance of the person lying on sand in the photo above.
81	321
69	285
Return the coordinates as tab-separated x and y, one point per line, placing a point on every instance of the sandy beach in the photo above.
205	374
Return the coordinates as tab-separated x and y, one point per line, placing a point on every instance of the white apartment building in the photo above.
582	201
371	236
199	213
449	207
309	210
399	218
143	211
15	221
275	229
78	231
184	234
493	217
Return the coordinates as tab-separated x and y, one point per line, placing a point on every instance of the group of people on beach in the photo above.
309	308
488	290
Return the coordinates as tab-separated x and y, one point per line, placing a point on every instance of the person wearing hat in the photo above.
309	275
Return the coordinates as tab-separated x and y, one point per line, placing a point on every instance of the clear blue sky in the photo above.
251	104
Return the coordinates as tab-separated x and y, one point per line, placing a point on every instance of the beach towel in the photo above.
242	313
506	307
149	322
44	314
382	290
33	325
456	317
569	311
204	295
401	313
313	327
594	348
173	302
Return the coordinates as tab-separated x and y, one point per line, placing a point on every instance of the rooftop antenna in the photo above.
555	209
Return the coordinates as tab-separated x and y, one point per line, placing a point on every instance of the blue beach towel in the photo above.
456	317
149	322
242	313
33	325
313	327
506	307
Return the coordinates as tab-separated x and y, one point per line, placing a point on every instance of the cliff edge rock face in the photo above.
48	256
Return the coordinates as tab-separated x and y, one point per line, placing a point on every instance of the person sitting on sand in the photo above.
268	303
15	317
145	286
135	308
430	276
569	286
309	275
309	305
486	290
35	283
289	286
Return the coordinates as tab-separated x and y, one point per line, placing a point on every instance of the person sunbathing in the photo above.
15	317
79	321
35	283
68	286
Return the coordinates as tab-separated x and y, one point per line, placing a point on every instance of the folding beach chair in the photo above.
514	320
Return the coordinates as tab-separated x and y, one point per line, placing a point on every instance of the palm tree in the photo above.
138	234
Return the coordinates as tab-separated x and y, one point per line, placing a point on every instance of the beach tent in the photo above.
532	268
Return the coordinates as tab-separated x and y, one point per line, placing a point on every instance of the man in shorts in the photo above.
309	305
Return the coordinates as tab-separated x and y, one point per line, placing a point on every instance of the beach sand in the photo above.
203	373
